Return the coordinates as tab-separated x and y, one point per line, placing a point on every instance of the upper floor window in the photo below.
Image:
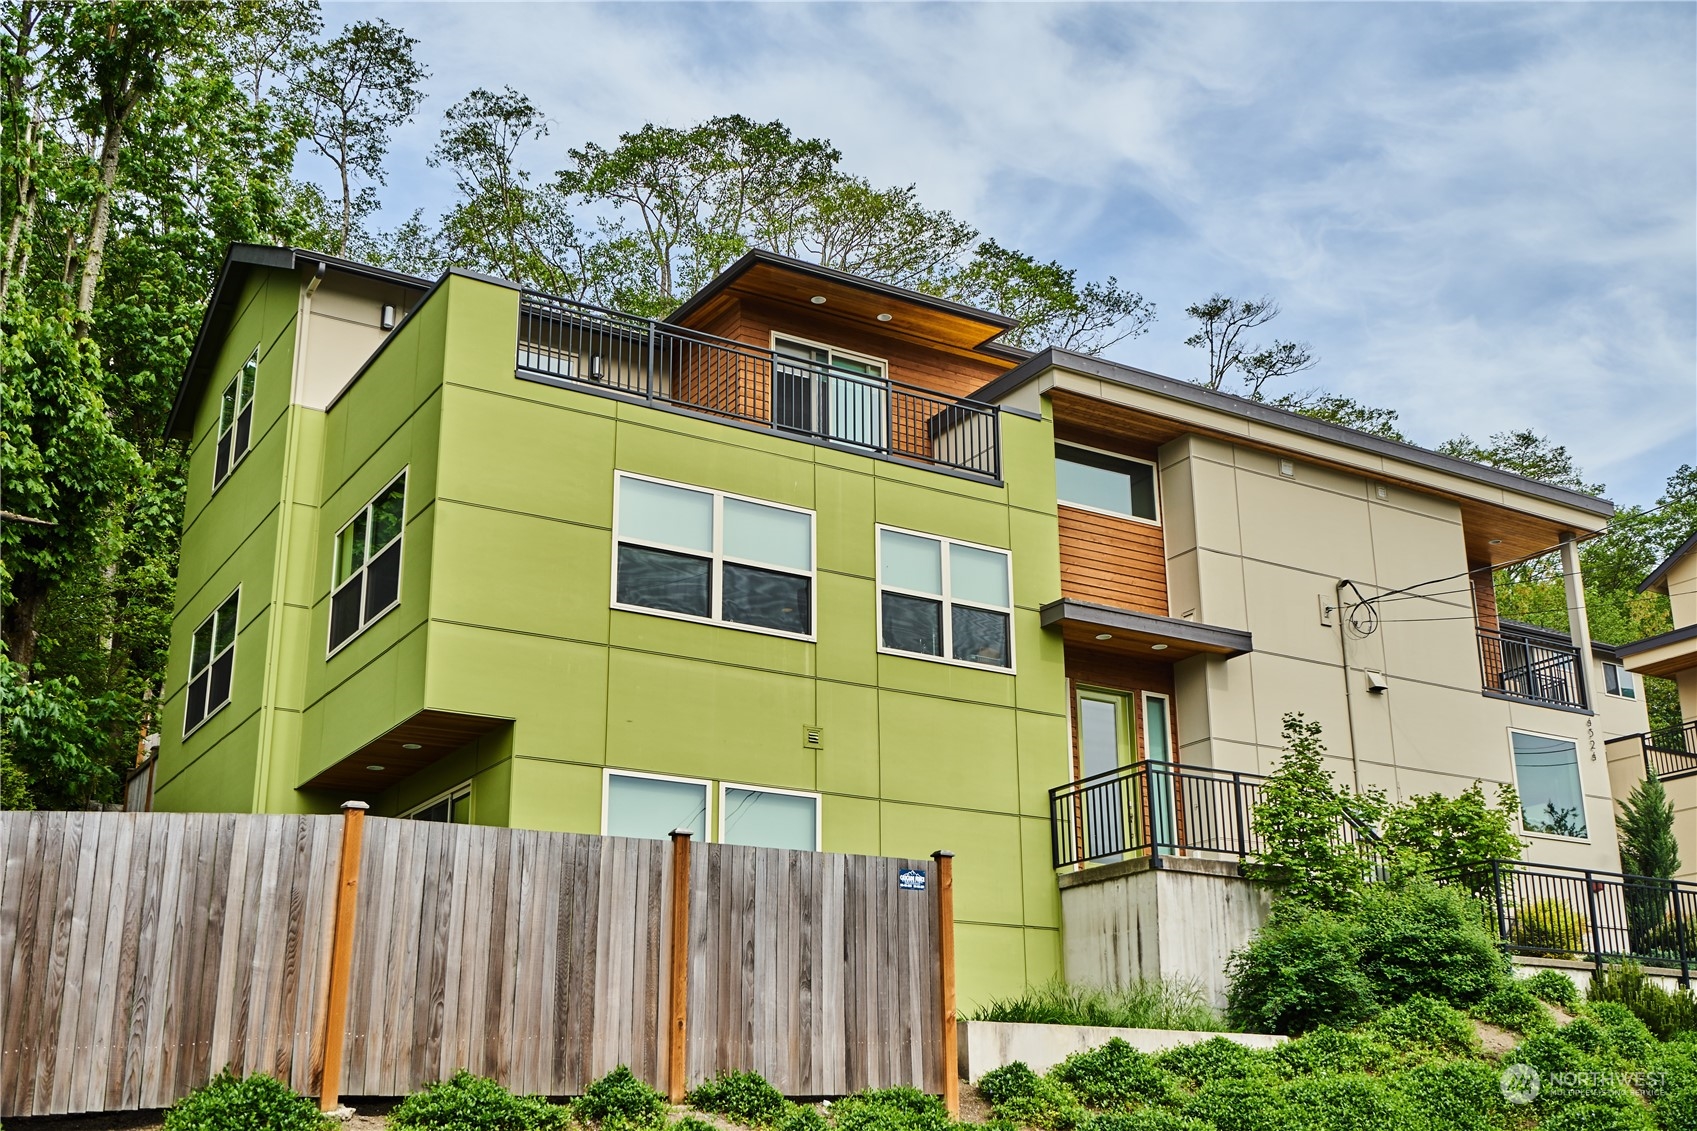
366	578
1618	681
768	818
235	420
212	664
1111	484
706	555
944	599
651	806
1546	772
830	392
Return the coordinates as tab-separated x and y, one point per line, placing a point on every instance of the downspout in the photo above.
1348	689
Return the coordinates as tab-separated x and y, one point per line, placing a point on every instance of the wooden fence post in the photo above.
341	956
946	979
677	1059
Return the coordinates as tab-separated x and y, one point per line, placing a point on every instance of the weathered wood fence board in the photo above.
142	952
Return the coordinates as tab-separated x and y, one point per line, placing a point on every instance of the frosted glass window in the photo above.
770	820
911	562
652	807
980	576
1157	732
770	535
659	512
1099	732
1546	774
1100	482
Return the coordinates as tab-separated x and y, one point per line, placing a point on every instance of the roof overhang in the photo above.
1140	636
240	261
923	318
422	740
1658	579
1664	655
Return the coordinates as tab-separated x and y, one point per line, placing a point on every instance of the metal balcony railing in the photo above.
1530	668
1671	752
1548	911
570	343
1157	808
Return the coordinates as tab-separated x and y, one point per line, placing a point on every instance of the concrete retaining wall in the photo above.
1579	973
987	1045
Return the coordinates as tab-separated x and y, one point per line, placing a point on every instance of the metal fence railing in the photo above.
1671	752
1549	911
1529	668
575	344
1149	808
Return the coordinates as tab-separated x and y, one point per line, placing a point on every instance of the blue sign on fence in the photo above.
911	879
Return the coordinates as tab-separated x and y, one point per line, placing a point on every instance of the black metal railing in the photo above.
1153	808
1531	668
1671	752
561	340
1548	911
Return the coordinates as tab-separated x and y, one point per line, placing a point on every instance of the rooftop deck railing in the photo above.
565	342
1530	668
1671	752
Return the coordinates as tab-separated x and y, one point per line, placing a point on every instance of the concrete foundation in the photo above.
987	1045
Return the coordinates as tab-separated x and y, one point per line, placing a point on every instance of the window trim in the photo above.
188	682
718	558
1514	766
818	810
1143	709
947	598
404	476
447	794
1623	678
218	433
1127	732
834	351
609	772
1154	478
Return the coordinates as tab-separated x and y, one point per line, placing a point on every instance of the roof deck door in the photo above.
829	393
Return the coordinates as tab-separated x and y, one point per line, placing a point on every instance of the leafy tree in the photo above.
354	90
1524	452
884	234
1431	833
1222	321
1335	408
1048	302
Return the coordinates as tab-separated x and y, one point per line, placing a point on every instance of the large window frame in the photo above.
1617	681
725	814
718	559
707	795
1578	775
822	410
359	575
220	663
234	435
948	599
451	796
1105	460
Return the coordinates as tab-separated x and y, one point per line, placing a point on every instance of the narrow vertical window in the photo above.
212	664
944	599
365	579
235	420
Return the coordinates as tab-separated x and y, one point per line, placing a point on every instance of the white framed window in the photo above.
1546	775
710	556
944	599
212	664
1157	727
650	806
365	577
819	389
450	807
235	420
1618	681
768	818
1106	483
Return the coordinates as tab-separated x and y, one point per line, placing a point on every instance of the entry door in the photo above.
1163	778
1104	744
794	404
829	394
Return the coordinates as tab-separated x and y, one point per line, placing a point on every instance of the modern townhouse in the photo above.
815	563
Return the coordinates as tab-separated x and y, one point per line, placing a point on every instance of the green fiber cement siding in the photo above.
505	613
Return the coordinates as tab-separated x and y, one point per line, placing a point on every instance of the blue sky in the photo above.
1484	216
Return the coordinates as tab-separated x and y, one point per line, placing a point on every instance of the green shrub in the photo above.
1677	1111
744	1097
1115	1076
1558	929
1453	1095
1426	939
1301	970
255	1103
691	1123
1426	1024
800	1117
464	1102
1349	1102
1142	1005
620	1102
1214	1059
1554	987
1569	1074
1330	1052
1598	1117
1239	1105
1148	1119
890	1109
1629	1038
1513	1007
1673	1067
1666	1014
1011	1081
1018	1094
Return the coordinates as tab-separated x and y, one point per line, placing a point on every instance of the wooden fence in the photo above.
142	952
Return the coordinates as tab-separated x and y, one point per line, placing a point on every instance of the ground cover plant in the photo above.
464	1102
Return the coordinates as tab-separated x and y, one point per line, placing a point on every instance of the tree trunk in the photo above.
95	250
347	208
20	632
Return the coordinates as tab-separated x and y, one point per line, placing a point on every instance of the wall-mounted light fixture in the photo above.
388	316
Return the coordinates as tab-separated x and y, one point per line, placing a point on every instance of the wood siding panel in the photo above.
1113	561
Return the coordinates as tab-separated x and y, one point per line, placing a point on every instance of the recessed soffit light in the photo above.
818	300
1157	647
1496	541
411	746
377	769
885	317
1104	636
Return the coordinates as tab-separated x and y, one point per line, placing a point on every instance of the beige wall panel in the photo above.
1687	684
1213	485
1283	684
1309	475
1445	731
1617	715
335	351
1682	590
1178	499
1219	585
1284	613
1231	700
1411	548
1285	521
1184	587
1432	643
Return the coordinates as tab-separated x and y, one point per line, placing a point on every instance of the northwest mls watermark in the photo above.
1522	1083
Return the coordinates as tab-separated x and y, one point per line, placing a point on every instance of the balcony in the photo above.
1531	668
1671	752
574	345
